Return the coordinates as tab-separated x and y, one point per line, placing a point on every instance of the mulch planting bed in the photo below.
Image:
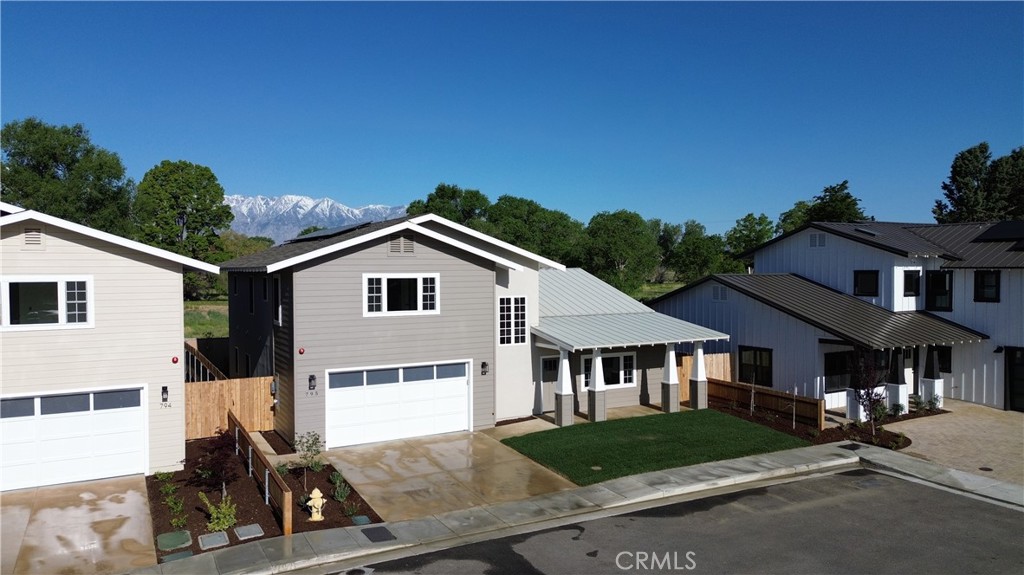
217	454
277	443
850	432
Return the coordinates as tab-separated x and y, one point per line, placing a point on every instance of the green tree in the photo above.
310	229
530	226
699	254
749	232
668	237
236	245
57	170
980	189
793	218
467	207
621	249
836	204
180	207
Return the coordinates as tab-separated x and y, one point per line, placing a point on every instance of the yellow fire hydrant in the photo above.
316	505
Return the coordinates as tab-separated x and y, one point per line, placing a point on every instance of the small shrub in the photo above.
336	478
813	432
309	445
916	403
350	508
933	403
175	504
878	413
897	409
203	473
168	489
163	476
281	469
317	465
341	491
303	500
222	515
179	521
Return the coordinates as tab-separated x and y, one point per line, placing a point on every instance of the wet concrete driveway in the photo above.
93	527
415	478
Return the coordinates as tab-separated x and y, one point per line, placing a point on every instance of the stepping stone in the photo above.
248	532
379	534
175	556
213	540
360	520
173	540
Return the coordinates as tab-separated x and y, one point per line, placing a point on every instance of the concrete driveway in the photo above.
970	438
416	478
94	527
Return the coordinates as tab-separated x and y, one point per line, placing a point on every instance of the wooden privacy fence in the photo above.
275	493
208	402
809	411
718	366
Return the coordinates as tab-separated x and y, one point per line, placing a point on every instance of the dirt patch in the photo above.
277	443
210	461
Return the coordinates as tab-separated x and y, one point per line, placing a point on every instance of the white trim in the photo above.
383	232
62	311
607	386
107	237
512	319
486	238
419	277
278	297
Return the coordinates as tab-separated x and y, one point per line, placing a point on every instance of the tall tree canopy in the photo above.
57	170
699	254
749	232
621	249
528	225
793	218
668	236
180	207
980	189
834	204
466	207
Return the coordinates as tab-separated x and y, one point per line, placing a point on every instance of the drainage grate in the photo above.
379	534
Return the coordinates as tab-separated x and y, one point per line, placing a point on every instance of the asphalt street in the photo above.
854	522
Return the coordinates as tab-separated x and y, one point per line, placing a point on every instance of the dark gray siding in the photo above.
284	411
250	345
329	323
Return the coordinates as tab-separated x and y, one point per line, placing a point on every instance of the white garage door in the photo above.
54	439
397	402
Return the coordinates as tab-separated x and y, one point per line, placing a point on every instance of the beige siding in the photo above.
649	367
329	323
138	329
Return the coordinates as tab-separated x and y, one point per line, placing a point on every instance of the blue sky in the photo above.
680	111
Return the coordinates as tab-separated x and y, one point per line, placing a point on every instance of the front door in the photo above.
1015	378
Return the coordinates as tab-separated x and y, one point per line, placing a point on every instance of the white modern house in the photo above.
942	306
90	344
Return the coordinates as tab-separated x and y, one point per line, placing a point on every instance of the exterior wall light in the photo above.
483	368
163	394
312	382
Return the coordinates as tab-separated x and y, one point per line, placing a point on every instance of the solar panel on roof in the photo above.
1002	232
321	234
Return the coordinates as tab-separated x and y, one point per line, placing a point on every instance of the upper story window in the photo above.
511	320
938	290
817	239
401	294
911	283
619	369
46	302
865	282
719	293
986	285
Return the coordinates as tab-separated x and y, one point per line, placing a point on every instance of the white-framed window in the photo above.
817	239
46	302
512	320
619	369
401	294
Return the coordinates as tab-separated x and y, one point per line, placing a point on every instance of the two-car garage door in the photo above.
368	405
52	439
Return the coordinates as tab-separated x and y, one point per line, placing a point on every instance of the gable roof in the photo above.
326	242
844	315
13	214
971	245
579	311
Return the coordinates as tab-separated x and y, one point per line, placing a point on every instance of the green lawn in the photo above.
206	319
651	291
595	452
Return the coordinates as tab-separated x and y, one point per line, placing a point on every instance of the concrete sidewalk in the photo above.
357	544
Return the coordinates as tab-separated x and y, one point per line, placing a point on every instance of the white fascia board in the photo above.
406	225
108	237
486	238
10	208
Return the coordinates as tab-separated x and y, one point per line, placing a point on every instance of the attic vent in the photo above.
866	231
817	240
33	238
401	245
719	293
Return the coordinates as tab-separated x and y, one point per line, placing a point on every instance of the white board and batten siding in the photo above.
137	328
329	324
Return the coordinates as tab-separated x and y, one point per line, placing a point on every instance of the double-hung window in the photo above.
986	285
46	302
619	369
401	294
938	290
511	320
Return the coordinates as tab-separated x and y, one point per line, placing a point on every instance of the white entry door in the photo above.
50	439
369	405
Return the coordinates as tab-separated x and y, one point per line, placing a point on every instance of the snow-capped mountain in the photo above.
282	218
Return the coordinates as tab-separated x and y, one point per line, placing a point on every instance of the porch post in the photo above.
931	383
670	381
596	406
896	391
563	391
698	378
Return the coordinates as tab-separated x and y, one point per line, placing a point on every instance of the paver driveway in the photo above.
969	438
414	478
93	527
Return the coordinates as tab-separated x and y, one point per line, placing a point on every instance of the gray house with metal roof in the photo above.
417	326
944	302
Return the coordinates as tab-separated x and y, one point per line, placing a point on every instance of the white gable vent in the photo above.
719	293
401	245
33	238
